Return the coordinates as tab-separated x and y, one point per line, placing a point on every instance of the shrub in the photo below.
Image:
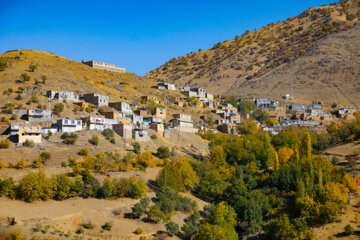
63	164
138	231
61	185
18	97
88	225
84	152
153	137
138	210
172	228
163	152
69	138
5	143
37	227
349	230
107	226
29	143
137	147
189	229
58	108
94	140
112	141
44	156
32	67
108	133
80	230
3	66
24	77
35	186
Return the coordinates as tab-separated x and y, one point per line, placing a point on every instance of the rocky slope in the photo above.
242	65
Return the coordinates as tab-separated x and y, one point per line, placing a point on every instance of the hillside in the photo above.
244	64
62	73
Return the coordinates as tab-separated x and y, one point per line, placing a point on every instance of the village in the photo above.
161	114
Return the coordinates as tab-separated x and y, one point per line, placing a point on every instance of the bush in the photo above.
58	108
153	137
137	147
3	66
5	143
84	152
44	156
61	185
189	229
24	77
35	186
29	143
107	226
32	67
88	225
37	227
63	164
112	141
94	140
138	210
108	133
172	228
349	230
69	138
163	152
138	231
80	230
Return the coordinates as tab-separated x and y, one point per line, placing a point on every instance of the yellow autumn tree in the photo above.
284	154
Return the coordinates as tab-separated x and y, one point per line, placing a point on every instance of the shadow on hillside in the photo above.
343	234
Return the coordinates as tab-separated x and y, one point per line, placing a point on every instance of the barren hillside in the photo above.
241	65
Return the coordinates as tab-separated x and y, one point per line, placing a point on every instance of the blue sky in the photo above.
137	35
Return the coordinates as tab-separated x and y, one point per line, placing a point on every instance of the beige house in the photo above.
26	131
159	112
124	130
183	123
104	66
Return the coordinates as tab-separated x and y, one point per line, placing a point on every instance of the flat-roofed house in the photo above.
68	96
141	135
347	113
124	130
39	115
122	107
159	112
26	131
96	99
104	66
69	125
183	123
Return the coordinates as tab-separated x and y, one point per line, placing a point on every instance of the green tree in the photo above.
32	67
215	232
58	108
163	152
44	156
35	186
3	66
189	229
172	228
108	133
137	147
138	210
94	140
61	186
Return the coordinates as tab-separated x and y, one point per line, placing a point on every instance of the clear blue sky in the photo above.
137	35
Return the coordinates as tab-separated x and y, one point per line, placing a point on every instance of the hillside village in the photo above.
95	112
89	150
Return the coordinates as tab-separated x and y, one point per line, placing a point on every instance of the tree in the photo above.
24	77
349	230
69	138
217	156
260	115
138	210
61	186
84	152
58	108
108	133
222	215
136	147
247	106
155	214
214	232
163	152
35	186
5	143
172	228
284	154
281	228
94	140
189	229
44	156
248	127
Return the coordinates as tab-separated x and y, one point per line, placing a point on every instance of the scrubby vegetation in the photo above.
35	186
259	182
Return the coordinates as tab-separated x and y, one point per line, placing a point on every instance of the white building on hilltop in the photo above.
104	66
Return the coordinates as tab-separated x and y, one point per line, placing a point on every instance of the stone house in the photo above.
124	130
96	99
122	107
39	115
68	96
